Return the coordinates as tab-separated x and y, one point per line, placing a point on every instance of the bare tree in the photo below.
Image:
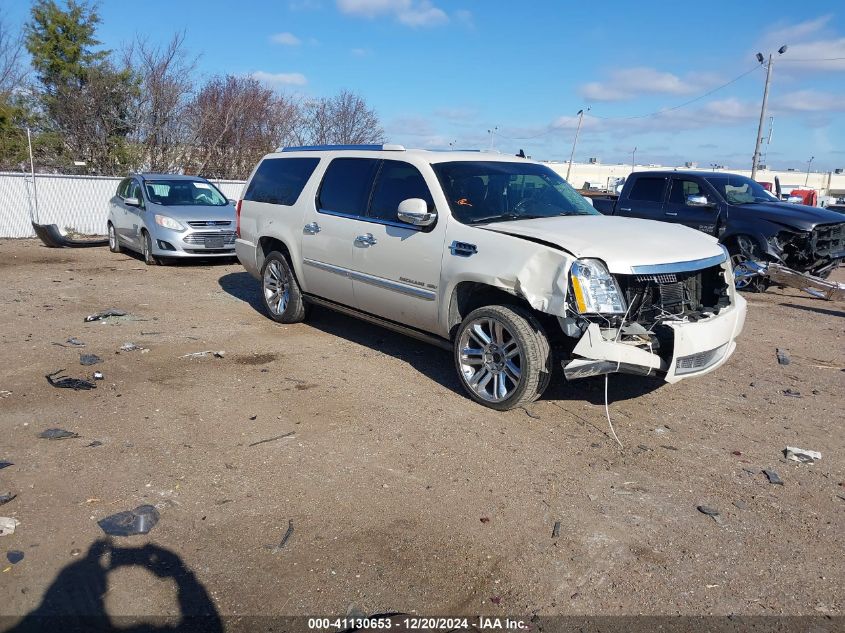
12	68
166	81
343	119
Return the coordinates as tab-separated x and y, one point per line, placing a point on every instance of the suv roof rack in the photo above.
318	148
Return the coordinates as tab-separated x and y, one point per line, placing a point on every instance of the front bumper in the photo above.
698	348
199	242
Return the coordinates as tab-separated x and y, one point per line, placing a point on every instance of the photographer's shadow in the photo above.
75	601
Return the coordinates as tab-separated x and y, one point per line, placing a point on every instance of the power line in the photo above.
817	59
554	128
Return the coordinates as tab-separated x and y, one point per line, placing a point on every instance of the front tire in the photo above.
280	292
502	356
114	245
147	245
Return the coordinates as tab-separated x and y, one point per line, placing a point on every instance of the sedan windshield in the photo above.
172	193
494	191
739	189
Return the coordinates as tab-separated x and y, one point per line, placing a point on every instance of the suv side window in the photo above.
346	186
280	180
123	188
397	181
648	189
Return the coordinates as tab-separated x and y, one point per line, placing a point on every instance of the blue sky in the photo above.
439	71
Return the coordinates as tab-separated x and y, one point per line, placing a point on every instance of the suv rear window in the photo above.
347	184
280	180
648	189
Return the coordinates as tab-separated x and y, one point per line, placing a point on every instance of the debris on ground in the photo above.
94	444
741	505
57	434
556	529
75	342
98	375
5	464
782	356
711	512
89	359
4	393
485	519
66	382
792	393
218	354
801	455
8	525
130	347
130	522
6	497
104	314
496	599
14	556
288	533
773	477
272	439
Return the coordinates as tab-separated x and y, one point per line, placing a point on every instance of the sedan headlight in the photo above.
595	289
169	223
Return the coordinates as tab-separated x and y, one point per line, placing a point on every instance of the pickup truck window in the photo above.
280	180
347	185
739	189
683	188
481	191
397	181
648	189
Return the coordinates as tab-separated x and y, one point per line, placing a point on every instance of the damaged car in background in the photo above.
496	258
752	223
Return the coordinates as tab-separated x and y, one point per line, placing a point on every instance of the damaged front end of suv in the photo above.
679	319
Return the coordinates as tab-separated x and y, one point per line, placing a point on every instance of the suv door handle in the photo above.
311	228
367	239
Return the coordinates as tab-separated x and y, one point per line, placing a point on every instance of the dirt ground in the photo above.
403	494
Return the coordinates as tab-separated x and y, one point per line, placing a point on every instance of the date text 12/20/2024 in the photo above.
407	623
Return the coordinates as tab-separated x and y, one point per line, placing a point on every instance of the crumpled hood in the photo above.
619	242
797	216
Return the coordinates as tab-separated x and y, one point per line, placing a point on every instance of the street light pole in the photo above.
575	142
755	161
491	133
809	162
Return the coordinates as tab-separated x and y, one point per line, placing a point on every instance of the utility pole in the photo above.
809	162
633	159
755	161
580	116
491	133
37	218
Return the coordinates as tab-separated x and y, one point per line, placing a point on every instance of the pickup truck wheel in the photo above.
743	249
502	356
280	291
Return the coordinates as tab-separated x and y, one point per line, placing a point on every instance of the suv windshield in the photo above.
494	191
172	193
739	189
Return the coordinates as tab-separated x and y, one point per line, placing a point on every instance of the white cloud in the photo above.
789	33
280	79
809	101
285	39
414	13
628	83
812	46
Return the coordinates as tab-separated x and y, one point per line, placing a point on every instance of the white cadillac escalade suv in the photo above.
494	257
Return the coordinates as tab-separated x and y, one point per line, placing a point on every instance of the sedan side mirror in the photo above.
132	202
699	201
415	211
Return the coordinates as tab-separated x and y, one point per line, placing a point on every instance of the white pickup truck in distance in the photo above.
494	257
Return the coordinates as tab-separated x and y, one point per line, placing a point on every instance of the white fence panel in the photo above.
71	202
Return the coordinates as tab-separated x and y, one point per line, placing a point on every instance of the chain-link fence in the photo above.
77	203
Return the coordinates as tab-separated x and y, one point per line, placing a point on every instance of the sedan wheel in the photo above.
114	245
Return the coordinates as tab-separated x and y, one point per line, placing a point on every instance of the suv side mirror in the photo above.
415	211
699	201
132	202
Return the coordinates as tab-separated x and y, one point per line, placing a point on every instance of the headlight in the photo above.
595	289
169	223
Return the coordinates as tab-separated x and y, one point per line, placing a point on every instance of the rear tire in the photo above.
147	243
280	292
743	248
114	244
502	356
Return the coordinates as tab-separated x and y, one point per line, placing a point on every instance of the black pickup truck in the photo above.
747	219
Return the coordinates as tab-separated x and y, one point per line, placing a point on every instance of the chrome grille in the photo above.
829	239
665	278
202	236
199	224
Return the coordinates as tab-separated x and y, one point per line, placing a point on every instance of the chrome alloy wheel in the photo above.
490	359
276	287
112	237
